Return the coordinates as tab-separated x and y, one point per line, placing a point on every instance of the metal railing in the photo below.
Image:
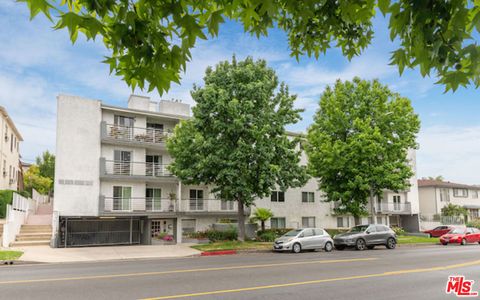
393	207
153	204
136	134
130	168
146	204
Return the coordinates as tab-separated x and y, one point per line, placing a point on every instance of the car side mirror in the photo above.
467	233
301	236
367	232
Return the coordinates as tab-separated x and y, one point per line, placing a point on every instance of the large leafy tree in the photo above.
34	180
359	141
263	215
46	165
236	140
150	41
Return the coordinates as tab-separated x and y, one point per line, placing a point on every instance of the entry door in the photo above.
154	199
396	202
123	126
154	132
122	164
153	165
122	197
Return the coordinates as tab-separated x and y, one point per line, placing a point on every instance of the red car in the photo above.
439	231
461	236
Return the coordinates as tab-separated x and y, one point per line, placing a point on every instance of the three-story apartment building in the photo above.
113	185
10	139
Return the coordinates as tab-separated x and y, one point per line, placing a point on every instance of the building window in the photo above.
277	196
196	199
308	222
460	193
277	222
122	196
444	195
11	142
379	220
340	222
308	197
475	194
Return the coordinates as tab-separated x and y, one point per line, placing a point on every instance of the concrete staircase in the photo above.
38	230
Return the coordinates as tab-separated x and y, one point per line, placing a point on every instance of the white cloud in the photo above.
451	152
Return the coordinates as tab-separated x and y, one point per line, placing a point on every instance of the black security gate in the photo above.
98	232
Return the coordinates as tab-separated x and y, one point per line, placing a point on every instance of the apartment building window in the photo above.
153	165
308	222
308	197
154	199
475	194
122	196
123	127
396	202
340	223
122	162
474	214
196	199
379	220
11	142
277	222
460	193
277	196
444	195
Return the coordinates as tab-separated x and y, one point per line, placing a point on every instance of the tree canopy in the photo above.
33	179
359	142
236	140
150	41
46	165
262	214
453	210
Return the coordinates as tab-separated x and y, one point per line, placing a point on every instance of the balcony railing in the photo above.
393	207
129	168
148	204
133	204
136	134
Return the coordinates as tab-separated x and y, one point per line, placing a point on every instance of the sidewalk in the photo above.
84	254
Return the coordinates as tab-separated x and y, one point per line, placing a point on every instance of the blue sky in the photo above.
38	63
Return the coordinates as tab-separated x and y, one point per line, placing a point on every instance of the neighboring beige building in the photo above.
10	139
435	194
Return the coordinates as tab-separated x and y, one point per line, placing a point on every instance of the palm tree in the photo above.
262	215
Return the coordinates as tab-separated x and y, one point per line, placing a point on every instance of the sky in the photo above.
38	63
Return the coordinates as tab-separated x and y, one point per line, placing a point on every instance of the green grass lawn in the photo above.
404	240
10	255
234	245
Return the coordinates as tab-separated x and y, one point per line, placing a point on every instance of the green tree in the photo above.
236	140
262	215
150	41
359	141
33	179
46	165
453	210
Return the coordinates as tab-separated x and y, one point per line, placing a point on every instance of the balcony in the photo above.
393	208
134	136
146	205
140	171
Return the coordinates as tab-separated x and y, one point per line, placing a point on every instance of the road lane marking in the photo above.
281	285
108	276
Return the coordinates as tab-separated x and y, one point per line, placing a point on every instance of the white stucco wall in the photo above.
9	154
77	184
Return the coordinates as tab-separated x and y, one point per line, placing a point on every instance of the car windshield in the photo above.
293	232
457	231
360	228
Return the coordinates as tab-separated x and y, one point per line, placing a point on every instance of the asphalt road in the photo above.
403	273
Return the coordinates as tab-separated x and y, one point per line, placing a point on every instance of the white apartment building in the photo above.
112	184
435	194
10	139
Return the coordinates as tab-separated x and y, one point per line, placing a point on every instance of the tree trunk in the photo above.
241	221
372	205
263	225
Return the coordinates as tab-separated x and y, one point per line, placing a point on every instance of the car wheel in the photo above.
340	248
430	235
360	245
296	248
328	247
391	243
464	242
444	244
370	247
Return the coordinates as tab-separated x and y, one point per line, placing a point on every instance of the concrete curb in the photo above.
220	252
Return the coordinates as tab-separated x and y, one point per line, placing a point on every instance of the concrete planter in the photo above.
195	241
250	229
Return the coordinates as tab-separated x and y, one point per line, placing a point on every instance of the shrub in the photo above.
266	236
197	235
227	235
334	232
398	230
474	223
6	197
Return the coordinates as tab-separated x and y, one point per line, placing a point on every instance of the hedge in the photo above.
6	197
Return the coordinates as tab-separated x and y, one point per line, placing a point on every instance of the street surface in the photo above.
403	273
